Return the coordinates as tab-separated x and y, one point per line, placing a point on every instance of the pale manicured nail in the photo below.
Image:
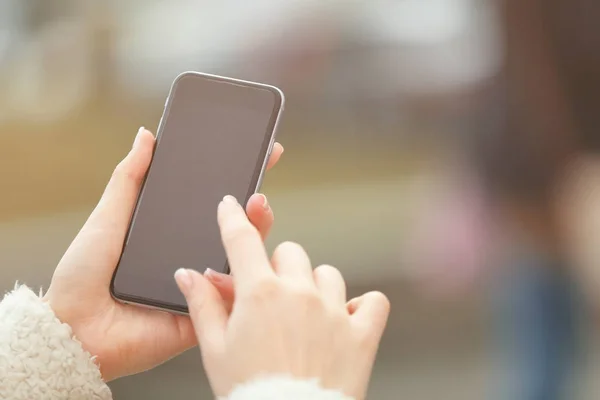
230	200
264	202
138	136
213	275
183	277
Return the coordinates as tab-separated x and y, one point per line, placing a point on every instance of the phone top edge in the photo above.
271	88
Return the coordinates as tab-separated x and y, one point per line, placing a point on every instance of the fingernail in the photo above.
264	202
213	275
138	135
230	199
184	280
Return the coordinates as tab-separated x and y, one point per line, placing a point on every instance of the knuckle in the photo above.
266	289
119	169
326	269
309	297
235	231
123	172
381	302
287	247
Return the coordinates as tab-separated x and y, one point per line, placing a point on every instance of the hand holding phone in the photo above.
214	139
125	339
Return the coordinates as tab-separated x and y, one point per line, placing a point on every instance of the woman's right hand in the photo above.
286	318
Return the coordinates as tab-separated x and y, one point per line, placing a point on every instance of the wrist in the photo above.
66	316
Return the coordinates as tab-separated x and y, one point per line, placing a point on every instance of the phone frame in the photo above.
257	176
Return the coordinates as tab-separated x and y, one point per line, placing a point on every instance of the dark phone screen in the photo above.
213	141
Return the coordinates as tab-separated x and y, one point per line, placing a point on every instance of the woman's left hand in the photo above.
125	339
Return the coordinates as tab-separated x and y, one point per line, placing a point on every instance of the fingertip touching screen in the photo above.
213	140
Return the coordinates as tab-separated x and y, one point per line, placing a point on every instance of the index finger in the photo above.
243	244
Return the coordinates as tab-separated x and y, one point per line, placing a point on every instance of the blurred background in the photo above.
441	151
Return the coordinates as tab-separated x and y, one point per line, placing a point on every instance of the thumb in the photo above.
118	200
206	306
103	234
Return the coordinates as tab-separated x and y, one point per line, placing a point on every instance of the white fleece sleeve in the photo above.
282	387
39	358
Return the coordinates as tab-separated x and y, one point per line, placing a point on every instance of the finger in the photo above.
244	247
331	284
275	155
291	261
224	284
206	307
371	310
119	198
260	214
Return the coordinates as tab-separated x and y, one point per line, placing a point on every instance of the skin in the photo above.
125	339
286	319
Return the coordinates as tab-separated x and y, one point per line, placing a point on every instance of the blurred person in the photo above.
67	343
543	119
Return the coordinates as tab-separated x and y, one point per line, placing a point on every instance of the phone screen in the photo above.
213	140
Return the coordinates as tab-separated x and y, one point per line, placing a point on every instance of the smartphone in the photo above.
215	138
